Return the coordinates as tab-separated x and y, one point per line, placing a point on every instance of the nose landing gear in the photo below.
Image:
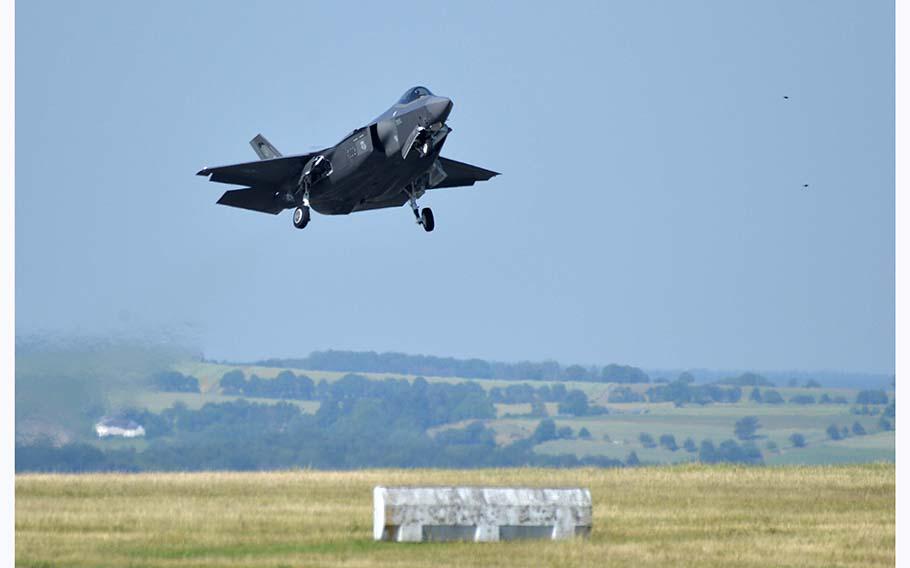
424	216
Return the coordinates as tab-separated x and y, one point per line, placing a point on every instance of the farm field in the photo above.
681	515
615	434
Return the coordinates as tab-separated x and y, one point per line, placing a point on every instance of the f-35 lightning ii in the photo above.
391	161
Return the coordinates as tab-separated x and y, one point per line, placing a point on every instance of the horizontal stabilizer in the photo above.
264	148
459	174
254	199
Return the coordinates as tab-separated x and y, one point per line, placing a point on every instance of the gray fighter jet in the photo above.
391	161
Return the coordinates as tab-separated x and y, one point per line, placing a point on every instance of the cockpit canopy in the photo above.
414	94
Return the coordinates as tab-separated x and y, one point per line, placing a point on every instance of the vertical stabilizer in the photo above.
264	148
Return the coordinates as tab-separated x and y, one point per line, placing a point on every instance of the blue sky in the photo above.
651	208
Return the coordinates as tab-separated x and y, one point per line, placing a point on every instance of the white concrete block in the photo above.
479	514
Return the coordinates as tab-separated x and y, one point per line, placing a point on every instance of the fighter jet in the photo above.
391	161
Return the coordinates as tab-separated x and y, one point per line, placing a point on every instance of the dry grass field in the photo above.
684	515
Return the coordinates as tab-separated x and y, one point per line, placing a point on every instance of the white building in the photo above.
118	427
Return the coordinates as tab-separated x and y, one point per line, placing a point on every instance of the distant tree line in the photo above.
625	394
574	402
289	386
524	393
173	381
358	426
681	392
286	385
747	380
729	451
428	365
872	397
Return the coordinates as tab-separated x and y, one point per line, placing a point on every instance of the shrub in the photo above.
538	409
545	431
885	424
233	382
803	399
746	427
707	451
172	381
689	445
575	373
755	395
669	441
772	397
686	377
798	440
872	397
623	374
575	403
729	451
858	429
646	440
584	433
625	394
747	380
834	432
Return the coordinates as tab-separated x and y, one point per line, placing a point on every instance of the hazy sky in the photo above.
651	208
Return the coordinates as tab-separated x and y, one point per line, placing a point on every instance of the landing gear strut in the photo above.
317	169
302	213
424	216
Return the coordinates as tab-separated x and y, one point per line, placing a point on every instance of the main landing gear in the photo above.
426	219
317	169
301	216
302	213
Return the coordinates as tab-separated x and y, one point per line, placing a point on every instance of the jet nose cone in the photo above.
440	108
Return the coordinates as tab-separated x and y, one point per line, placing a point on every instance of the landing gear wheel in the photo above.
301	217
426	219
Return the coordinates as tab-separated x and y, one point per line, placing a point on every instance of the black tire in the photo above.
301	217
426	218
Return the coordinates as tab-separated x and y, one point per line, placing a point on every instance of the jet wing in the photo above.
254	199
259	173
459	174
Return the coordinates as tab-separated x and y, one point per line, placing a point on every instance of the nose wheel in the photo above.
302	217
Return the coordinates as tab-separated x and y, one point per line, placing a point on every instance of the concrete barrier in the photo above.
479	514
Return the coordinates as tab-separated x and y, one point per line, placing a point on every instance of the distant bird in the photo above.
805	186
786	98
